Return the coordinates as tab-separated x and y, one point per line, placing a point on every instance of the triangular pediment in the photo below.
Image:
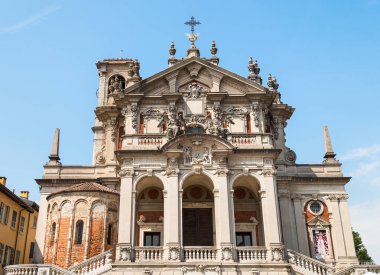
212	77
318	221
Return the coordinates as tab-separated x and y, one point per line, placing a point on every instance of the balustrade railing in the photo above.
307	265
251	253
149	140
196	253
259	140
34	269
146	253
95	265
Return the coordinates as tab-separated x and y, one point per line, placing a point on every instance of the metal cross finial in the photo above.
192	22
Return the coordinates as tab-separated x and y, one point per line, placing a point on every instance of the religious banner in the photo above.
321	248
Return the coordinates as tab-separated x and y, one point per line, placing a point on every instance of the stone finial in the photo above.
272	83
172	60
329	151
214	59
213	49
254	71
54	154
172	50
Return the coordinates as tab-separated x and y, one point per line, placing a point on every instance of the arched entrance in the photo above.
149	213
198	227
248	212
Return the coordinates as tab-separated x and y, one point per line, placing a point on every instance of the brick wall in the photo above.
96	237
63	234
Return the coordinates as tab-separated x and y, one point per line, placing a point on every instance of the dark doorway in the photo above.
197	227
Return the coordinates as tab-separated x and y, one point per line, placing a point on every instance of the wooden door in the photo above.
197	227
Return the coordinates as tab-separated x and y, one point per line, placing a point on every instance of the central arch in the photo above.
198	211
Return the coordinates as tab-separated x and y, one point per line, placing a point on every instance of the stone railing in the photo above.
95	265
148	141
35	269
306	265
251	253
148	253
251	140
198	253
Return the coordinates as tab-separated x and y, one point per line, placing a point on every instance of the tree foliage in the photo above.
360	249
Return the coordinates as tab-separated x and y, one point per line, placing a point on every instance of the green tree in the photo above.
361	251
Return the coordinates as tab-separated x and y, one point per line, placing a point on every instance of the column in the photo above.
272	233
88	232
287	217
347	227
172	221
125	237
40	233
299	213
70	238
223	222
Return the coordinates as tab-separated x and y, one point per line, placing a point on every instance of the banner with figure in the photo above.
321	247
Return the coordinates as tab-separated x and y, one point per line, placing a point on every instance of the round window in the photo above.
316	207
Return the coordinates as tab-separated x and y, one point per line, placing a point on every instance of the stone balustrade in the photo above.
148	141
247	254
95	265
148	253
307	265
35	269
251	140
198	253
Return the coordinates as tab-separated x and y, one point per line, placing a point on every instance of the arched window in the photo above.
53	228
109	234
79	232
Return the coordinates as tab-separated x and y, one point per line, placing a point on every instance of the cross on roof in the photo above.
192	22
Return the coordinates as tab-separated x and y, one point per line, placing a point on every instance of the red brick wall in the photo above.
96	237
77	252
62	241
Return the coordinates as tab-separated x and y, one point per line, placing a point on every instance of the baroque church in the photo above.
191	175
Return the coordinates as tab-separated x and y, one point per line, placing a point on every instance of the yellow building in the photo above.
18	222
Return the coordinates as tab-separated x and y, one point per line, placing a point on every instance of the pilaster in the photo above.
301	232
125	236
287	216
40	234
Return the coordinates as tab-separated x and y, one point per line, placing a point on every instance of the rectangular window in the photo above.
5	260
17	260
31	250
11	256
14	218
1	211
22	223
152	239
6	217
1	252
243	239
34	222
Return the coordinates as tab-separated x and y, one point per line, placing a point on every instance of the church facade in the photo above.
191	175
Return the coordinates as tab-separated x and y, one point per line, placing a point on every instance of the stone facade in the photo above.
192	175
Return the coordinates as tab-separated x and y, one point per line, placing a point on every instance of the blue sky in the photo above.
325	55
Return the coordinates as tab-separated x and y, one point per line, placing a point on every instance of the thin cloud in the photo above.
365	169
31	20
364	152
